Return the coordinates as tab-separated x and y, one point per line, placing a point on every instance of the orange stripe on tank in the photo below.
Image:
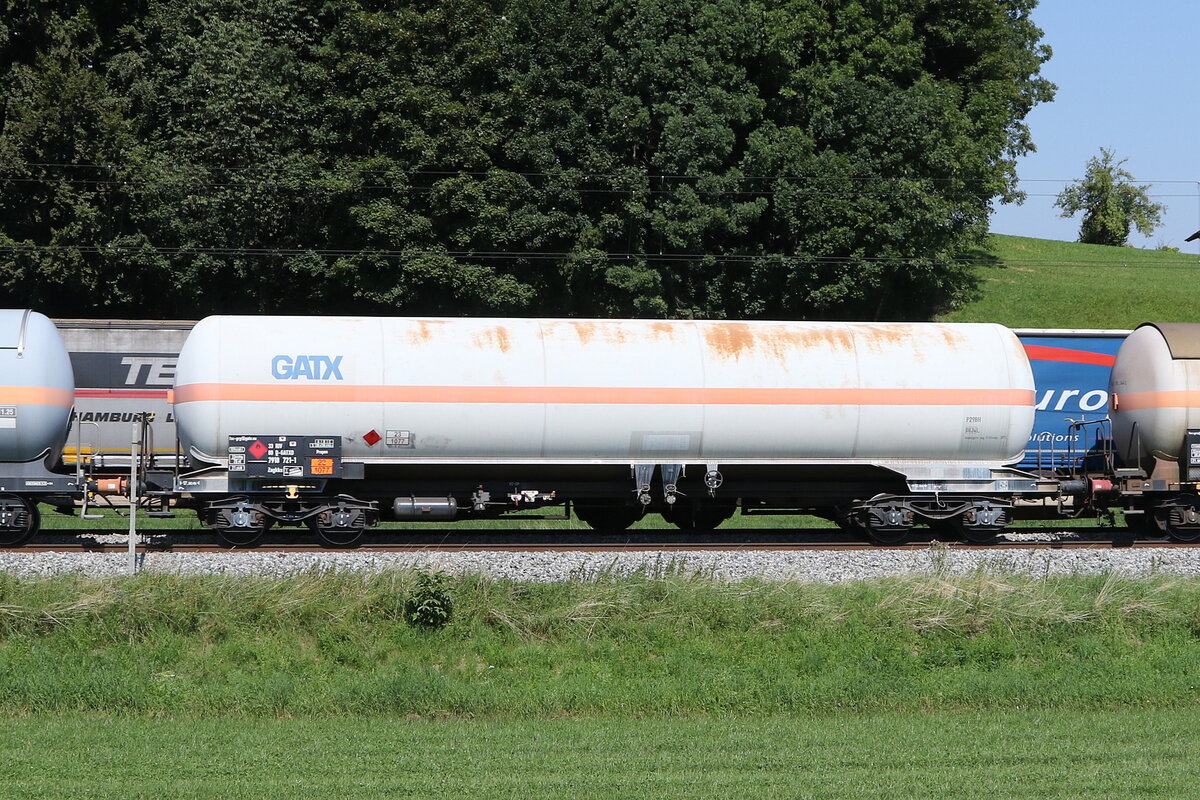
1133	401
599	395
36	396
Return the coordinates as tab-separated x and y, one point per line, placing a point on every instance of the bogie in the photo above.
1181	520
19	520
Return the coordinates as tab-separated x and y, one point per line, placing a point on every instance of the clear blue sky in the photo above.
1128	76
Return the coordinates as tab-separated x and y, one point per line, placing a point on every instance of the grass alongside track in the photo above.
1127	753
1038	283
167	687
679	646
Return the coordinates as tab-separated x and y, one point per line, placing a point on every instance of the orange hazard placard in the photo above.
321	466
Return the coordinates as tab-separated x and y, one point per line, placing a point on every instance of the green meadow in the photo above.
668	686
1038	283
951	754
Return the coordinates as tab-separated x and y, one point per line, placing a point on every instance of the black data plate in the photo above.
285	456
1190	464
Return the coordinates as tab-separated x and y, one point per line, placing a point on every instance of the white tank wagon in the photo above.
879	425
512	391
1155	410
36	395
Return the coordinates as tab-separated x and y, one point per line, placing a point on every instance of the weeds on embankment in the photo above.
334	644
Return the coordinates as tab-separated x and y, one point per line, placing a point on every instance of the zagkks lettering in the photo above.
315	368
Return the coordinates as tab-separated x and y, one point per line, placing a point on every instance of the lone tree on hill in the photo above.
1110	203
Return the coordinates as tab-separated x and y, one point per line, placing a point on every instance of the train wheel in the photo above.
848	522
975	534
886	526
887	536
19	520
702	518
244	538
1182	523
608	518
337	538
241	525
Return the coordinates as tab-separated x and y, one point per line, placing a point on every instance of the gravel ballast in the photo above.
731	565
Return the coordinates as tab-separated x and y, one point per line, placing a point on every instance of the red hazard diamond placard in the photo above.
258	449
371	437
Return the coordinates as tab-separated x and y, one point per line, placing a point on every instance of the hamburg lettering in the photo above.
116	416
315	368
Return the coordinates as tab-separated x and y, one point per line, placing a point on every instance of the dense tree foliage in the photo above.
1110	201
715	158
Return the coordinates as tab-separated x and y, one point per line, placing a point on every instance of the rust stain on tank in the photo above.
586	331
883	338
729	339
663	330
953	337
495	338
733	339
611	332
607	331
424	330
896	340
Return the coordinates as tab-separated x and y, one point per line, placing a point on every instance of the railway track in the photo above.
541	541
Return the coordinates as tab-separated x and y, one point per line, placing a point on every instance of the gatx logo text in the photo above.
316	368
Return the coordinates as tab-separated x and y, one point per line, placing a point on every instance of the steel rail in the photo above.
519	546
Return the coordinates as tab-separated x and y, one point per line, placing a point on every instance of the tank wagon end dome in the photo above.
38	386
1155	390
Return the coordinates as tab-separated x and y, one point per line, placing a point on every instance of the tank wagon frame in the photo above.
869	498
442	418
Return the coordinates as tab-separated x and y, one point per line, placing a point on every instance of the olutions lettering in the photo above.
314	368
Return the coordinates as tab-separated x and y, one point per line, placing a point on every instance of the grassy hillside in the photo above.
1038	283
